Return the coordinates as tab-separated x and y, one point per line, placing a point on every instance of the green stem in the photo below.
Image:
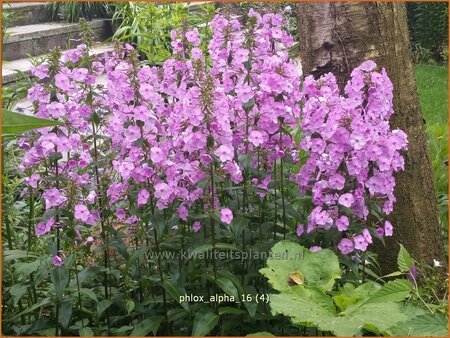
161	276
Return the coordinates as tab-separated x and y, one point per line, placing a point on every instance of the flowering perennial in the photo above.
168	137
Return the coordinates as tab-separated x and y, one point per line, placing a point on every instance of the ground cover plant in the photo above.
163	201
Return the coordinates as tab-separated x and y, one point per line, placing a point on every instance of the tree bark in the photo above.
337	37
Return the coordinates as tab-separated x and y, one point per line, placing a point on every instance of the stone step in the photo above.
37	39
26	13
14	70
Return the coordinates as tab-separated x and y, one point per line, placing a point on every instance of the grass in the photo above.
432	85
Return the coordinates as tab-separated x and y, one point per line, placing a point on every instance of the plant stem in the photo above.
104	234
161	276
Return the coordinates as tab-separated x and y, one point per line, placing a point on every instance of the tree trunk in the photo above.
337	37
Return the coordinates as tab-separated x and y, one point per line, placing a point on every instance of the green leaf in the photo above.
9	255
393	291
129	305
60	279
348	295
65	313
175	292
228	287
228	310
146	326
103	305
424	325
204	321
404	260
305	306
17	291
44	302
25	269
91	294
260	334
85	331
319	268
13	123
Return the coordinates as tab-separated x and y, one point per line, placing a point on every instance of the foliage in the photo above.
148	25
14	123
347	309
170	182
432	86
428	25
72	11
8	18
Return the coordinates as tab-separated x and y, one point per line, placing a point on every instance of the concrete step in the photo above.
14	70
37	39
26	13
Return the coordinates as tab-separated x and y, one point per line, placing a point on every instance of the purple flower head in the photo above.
81	212
224	153
226	215
315	248
342	223
44	227
120	213
300	230
53	198
346	200
33	180
412	275
183	212
388	228
346	246
360	243
197	226
57	261
143	196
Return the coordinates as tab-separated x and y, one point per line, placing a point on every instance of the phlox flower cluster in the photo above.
137	138
353	155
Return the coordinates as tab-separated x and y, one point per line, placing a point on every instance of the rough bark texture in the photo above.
336	37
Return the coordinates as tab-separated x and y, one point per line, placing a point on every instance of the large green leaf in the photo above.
393	291
423	325
146	326
348	295
320	268
376	317
13	123
204	321
305	306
